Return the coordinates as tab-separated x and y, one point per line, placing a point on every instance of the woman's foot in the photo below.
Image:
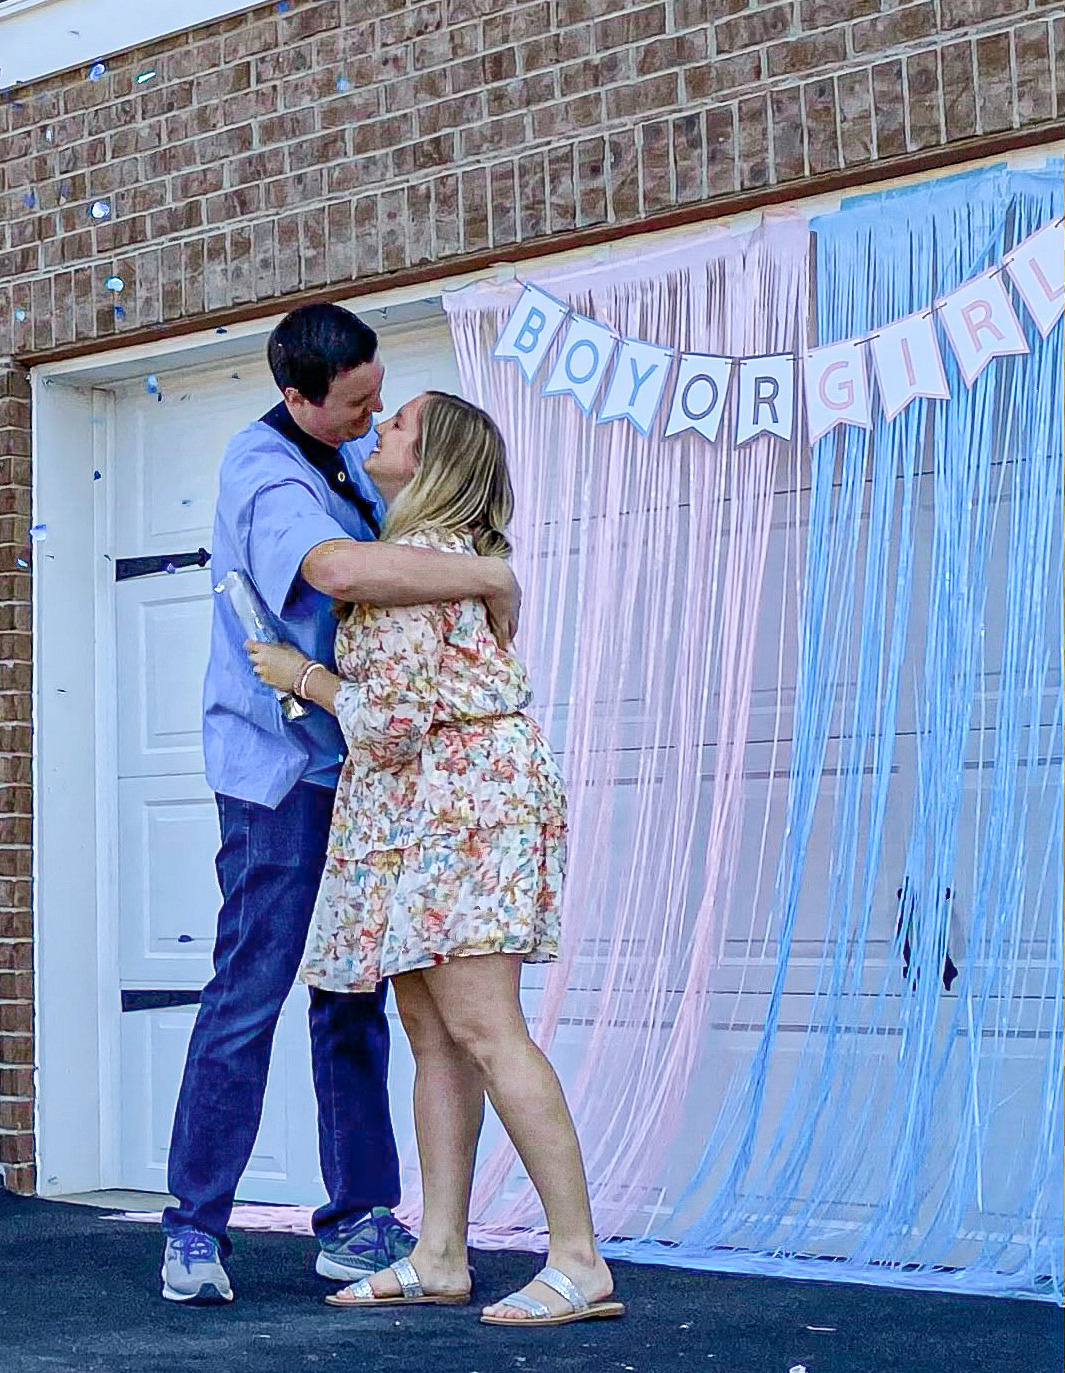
441	1274
590	1276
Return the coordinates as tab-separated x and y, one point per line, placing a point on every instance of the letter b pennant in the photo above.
528	333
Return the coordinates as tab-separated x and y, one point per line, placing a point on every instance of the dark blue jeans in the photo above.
269	867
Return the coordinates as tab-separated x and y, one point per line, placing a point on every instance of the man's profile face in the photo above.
349	406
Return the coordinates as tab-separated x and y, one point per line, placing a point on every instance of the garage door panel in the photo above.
163	626
168	896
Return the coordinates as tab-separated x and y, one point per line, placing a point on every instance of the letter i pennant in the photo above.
908	363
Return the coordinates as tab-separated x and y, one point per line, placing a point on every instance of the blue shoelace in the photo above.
194	1247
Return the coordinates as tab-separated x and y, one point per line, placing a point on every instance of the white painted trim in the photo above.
108	981
65	897
39	37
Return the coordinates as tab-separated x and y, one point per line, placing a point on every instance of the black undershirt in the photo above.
323	459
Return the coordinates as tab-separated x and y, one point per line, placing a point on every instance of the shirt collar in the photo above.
324	459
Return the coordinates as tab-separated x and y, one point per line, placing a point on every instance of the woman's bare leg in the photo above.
448	1114
477	998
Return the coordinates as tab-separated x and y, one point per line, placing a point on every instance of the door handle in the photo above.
125	568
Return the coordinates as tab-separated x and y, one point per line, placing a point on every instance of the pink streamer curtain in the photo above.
644	567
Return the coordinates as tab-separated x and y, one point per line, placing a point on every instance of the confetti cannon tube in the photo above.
252	615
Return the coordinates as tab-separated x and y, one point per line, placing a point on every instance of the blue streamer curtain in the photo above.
917	1137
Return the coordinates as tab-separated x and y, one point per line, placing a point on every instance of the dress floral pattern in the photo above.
449	831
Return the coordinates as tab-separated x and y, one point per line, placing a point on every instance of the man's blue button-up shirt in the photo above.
278	498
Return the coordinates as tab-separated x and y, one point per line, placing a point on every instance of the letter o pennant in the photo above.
699	395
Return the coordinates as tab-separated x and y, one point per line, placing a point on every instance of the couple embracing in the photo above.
410	828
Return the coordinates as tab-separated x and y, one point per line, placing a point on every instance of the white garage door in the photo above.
167	449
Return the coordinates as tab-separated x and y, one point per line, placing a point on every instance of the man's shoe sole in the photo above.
208	1295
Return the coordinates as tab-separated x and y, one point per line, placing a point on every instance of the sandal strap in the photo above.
409	1282
359	1291
526	1304
565	1287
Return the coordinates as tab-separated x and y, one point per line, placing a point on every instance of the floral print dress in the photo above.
449	830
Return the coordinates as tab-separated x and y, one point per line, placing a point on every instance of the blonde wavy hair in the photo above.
462	483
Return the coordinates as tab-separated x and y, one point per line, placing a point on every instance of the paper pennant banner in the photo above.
582	363
1037	268
528	333
981	324
699	395
908	363
637	384
766	402
837	391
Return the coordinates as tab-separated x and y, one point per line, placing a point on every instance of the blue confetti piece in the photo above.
221	331
96	476
97	70
145	76
284	6
184	939
30	201
151	384
343	84
22	562
120	312
38	532
115	284
100	209
171	569
21	316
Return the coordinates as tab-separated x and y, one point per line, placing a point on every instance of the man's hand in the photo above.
503	603
277	665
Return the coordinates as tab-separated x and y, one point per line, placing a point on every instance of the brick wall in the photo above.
278	153
16	796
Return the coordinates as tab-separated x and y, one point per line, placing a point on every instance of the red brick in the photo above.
893	29
957	14
819	112
724	74
367	236
994	85
655	94
392	213
811	53
503	204
447	224
922	87
448	45
1035	84
655	164
854	99
475	230
888	106
591	181
631	26
689	157
419	223
561	188
789	158
532	196
754	27
623	176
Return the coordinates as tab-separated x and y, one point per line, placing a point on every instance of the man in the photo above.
297	515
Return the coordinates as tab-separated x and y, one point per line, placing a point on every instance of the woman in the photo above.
444	869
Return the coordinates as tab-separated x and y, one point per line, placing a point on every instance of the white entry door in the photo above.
167	445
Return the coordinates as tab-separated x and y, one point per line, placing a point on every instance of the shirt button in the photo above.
342	476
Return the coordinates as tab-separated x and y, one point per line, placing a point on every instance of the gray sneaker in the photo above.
192	1270
363	1246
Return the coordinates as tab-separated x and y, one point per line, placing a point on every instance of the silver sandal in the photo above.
539	1314
361	1293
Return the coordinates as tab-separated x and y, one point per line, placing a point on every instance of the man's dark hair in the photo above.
314	344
